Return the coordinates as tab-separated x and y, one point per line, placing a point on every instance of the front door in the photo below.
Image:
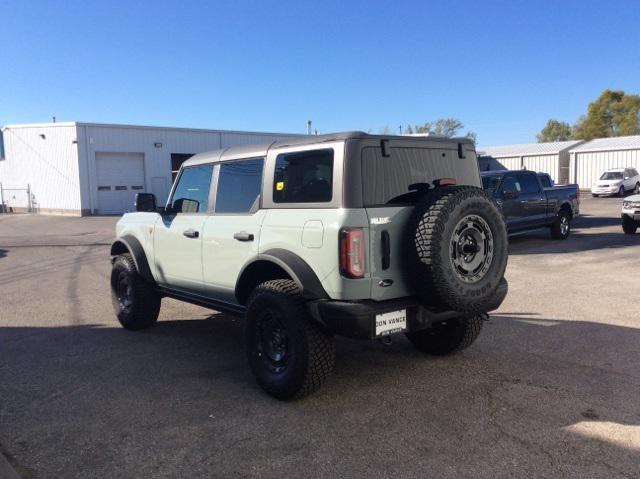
178	232
232	234
512	208
533	200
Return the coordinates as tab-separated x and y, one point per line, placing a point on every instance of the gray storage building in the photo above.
590	159
552	158
79	168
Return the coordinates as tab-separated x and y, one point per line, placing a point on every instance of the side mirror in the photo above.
510	194
146	202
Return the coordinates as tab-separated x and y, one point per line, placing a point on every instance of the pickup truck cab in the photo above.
527	205
350	234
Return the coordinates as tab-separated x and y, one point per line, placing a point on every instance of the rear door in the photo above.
532	199
390	182
232	234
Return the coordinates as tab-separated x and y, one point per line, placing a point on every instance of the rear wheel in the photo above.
629	226
448	337
289	354
135	301
561	228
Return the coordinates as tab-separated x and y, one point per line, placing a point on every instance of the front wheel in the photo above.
629	226
289	354
135	301
448	336
621	192
636	189
594	195
561	227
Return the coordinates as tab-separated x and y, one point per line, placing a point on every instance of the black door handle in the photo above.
243	236
191	233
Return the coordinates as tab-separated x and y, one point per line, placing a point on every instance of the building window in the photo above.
176	162
239	186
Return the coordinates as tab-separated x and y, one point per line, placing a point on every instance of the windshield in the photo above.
611	175
490	183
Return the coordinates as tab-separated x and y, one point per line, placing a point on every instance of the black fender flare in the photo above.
130	244
297	268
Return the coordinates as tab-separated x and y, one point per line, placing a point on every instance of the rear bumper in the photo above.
357	319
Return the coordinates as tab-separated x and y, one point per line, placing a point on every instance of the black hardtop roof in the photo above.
262	148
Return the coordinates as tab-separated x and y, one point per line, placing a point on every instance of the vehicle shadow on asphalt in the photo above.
531	387
3	253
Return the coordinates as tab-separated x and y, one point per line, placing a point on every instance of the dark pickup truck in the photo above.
528	205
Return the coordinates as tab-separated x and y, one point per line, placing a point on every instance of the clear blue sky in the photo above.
502	68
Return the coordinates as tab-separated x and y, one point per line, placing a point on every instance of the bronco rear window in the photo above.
303	177
402	177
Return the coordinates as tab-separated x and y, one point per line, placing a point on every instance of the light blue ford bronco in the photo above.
350	234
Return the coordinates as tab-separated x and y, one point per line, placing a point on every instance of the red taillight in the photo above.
352	252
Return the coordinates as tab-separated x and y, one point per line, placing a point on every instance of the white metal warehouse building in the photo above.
552	158
590	159
89	168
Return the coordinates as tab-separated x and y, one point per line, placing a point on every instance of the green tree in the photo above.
613	113
555	131
448	127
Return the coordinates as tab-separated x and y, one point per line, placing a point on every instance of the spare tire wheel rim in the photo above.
471	248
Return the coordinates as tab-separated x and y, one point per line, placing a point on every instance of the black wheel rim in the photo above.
564	225
471	248
272	342
124	293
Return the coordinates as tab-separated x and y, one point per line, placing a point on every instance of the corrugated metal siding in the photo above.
586	167
513	163
49	165
545	163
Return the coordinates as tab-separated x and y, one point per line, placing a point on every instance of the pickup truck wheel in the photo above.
457	251
289	354
629	226
447	337
135	301
561	227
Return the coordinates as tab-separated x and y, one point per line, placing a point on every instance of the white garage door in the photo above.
120	176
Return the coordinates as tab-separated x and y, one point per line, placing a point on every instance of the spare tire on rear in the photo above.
458	249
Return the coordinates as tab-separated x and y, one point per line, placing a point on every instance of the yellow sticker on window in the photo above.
280	186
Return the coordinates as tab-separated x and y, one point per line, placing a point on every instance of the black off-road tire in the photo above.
629	226
139	306
443	339
430	263
559	229
307	358
621	192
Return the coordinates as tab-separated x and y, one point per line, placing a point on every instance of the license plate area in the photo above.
391	322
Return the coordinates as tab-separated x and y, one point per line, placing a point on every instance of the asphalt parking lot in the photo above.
550	389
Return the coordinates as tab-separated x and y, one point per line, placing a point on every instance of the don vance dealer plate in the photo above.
392	322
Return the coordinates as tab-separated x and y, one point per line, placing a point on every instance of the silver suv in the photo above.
349	234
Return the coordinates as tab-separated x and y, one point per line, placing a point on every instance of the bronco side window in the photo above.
239	186
304	177
191	194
